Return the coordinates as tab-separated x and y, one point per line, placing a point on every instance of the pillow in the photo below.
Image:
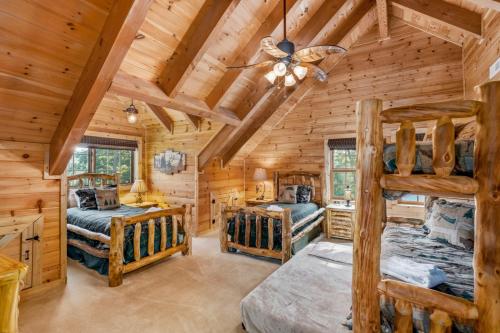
304	193
452	222
86	199
72	199
288	194
107	198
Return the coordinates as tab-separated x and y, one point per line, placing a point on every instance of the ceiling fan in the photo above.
289	63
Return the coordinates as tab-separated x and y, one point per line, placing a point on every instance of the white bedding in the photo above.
307	294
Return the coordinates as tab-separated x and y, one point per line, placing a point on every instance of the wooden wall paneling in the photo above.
116	37
479	55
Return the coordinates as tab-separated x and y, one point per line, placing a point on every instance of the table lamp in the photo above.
348	196
139	187
260	175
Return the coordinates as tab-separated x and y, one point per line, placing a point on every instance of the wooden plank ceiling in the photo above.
175	68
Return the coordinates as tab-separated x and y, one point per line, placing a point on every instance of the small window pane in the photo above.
79	163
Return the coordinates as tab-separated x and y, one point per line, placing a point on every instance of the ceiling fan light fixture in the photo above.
289	80
279	69
300	72
271	76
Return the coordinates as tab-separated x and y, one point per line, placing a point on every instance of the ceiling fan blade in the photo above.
315	53
257	65
269	46
315	71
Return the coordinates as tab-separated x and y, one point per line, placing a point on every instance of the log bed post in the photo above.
286	235
222	228
367	229
187	231
115	271
487	219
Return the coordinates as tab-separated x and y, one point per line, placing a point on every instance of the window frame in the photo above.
333	170
91	158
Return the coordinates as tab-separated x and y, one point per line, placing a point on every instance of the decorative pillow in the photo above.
86	199
304	193
107	199
452	222
72	199
288	194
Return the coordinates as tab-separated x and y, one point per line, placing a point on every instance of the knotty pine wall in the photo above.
188	187
22	185
479	55
410	67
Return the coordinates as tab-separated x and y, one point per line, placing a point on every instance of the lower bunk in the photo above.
115	242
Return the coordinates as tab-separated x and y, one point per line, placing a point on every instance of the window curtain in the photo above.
345	144
111	143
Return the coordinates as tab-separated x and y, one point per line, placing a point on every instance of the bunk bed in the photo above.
121	240
367	287
274	234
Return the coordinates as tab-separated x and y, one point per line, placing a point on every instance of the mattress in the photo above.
307	294
99	222
298	212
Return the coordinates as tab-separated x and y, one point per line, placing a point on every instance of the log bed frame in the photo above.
181	218
286	178
367	286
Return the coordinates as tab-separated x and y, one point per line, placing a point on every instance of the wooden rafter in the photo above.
162	117
349	29
148	92
488	4
249	54
202	34
251	106
446	13
383	19
120	28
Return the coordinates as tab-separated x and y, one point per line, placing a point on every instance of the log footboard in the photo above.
181	218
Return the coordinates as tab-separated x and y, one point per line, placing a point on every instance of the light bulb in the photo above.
289	80
279	69
300	72
271	77
132	118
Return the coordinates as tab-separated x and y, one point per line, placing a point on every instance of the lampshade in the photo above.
289	80
279	69
139	186
300	72
271	77
260	174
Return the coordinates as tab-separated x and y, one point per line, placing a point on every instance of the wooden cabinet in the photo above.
340	221
256	202
12	274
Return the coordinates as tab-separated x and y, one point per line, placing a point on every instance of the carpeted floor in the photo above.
200	293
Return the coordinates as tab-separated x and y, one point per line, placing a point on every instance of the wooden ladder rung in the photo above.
454	186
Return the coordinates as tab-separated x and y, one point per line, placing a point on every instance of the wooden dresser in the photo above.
12	274
340	221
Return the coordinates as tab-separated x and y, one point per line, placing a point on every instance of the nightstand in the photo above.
255	202
145	204
340	221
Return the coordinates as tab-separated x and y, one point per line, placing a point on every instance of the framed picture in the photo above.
170	162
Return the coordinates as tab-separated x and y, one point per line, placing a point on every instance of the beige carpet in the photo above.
200	293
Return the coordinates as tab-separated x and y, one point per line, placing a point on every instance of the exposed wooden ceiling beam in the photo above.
162	116
357	24
383	19
148	92
248	55
444	12
488	4
118	32
201	35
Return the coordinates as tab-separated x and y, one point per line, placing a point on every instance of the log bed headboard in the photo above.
299	178
91	180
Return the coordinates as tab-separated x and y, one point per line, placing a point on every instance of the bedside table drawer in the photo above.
340	223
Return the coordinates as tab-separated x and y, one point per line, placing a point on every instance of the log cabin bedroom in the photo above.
250	166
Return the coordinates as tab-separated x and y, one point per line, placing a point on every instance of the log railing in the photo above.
181	220
260	215
443	308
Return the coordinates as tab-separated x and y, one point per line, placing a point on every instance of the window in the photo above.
343	171
412	199
103	160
